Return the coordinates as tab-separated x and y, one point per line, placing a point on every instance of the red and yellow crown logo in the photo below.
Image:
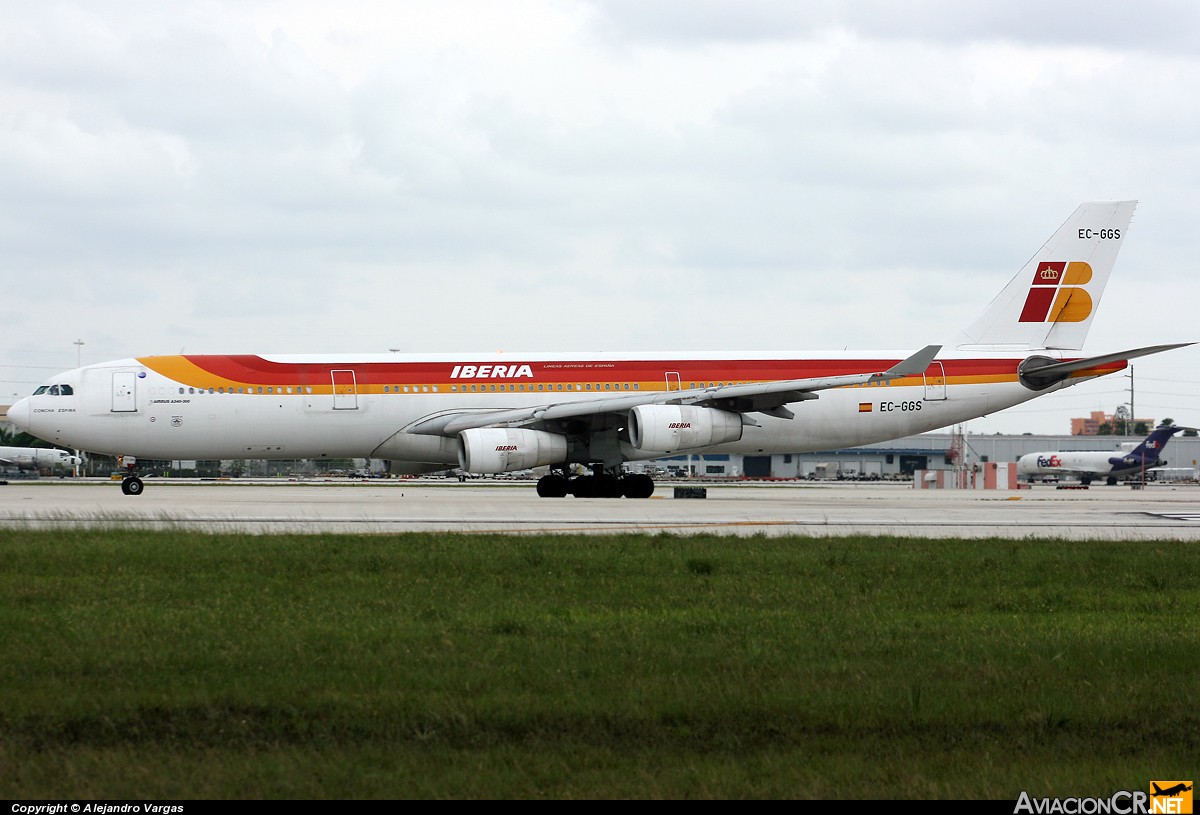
1056	295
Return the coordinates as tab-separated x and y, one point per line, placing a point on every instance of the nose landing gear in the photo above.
130	484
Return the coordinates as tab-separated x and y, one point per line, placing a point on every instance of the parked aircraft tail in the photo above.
1150	448
1052	300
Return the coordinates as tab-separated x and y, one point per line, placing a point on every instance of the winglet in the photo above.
915	364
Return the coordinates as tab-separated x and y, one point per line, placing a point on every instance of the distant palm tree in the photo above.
10	437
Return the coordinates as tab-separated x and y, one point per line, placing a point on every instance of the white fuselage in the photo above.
293	407
1063	464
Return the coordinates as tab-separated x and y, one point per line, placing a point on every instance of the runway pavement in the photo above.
1157	511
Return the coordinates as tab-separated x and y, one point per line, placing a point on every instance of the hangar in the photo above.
899	459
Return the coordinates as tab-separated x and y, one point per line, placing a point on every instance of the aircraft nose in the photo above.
19	415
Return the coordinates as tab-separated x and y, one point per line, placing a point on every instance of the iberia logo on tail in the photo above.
1056	295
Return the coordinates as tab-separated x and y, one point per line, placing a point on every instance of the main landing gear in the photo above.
598	485
131	484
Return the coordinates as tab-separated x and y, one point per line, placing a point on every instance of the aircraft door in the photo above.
935	382
672	378
345	390
124	392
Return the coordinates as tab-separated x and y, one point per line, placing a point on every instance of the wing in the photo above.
762	397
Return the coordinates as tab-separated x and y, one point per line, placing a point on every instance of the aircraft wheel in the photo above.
1110	481
637	486
607	486
132	485
583	486
552	486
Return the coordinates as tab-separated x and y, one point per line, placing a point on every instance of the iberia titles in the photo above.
491	372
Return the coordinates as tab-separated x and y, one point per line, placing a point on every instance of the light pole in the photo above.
78	353
1132	415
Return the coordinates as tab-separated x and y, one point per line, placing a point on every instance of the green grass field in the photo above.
178	665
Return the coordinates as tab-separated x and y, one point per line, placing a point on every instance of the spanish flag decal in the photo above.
864	407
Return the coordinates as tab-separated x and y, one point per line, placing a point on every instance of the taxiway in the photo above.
812	509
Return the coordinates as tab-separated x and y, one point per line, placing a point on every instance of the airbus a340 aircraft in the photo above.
494	413
1086	465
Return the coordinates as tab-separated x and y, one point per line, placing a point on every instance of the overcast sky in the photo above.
688	175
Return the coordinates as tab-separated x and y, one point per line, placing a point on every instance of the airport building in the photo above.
899	459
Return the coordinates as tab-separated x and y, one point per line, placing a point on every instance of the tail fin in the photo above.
1151	448
1051	301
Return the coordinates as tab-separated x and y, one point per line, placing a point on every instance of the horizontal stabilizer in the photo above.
1039	372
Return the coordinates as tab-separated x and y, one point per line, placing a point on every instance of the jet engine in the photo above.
668	428
503	450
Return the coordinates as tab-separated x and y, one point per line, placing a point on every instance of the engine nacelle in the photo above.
503	450
668	428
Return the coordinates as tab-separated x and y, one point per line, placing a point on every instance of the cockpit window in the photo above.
41	389
54	390
67	390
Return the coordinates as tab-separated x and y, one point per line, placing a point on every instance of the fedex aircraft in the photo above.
495	413
1088	465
